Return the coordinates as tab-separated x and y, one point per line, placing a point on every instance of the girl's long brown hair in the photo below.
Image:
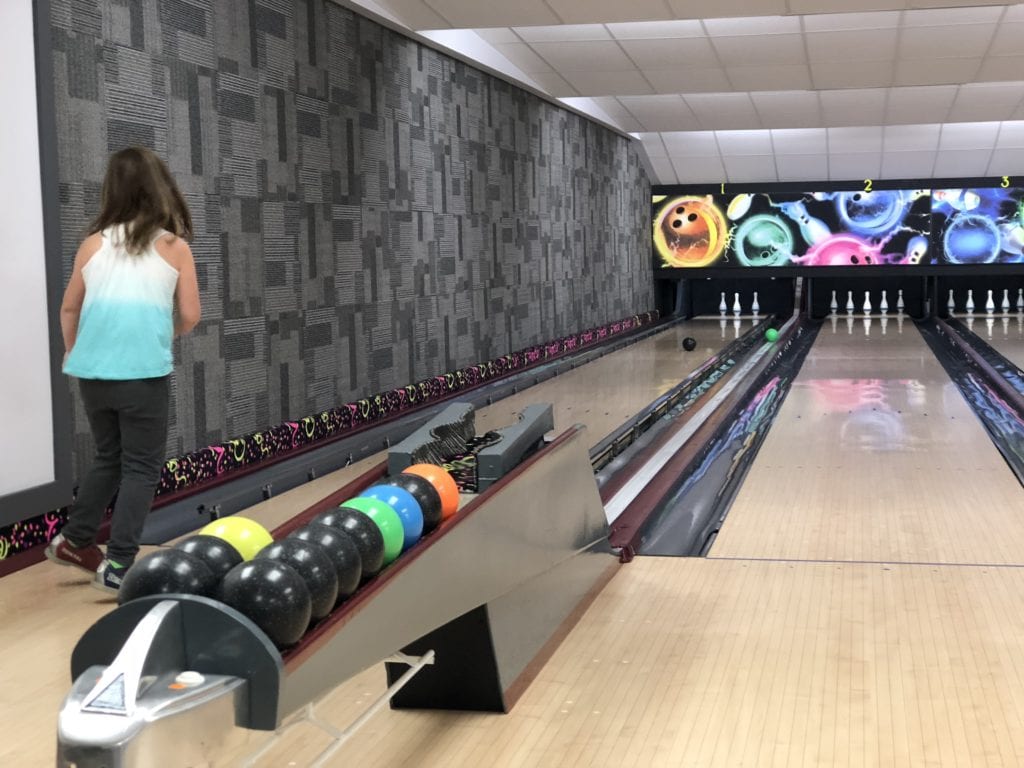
140	192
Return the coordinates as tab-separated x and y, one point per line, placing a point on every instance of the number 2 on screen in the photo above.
867	185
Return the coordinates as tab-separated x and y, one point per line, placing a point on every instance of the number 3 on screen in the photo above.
1005	182
867	185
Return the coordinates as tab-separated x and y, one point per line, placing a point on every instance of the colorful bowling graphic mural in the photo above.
860	228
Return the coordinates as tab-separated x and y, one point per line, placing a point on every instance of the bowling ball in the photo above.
689	344
443	483
386	520
272	595
166	572
405	505
363	531
771	335
219	556
342	551
314	565
426	496
245	535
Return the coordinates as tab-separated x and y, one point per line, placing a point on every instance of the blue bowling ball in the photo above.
405	505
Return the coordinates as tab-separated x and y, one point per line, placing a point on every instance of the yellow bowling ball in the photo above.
245	535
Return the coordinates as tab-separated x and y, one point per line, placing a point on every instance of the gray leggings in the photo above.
129	424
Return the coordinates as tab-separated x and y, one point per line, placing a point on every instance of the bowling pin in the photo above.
1020	299
722	306
867	302
951	305
736	304
1006	299
755	307
884	305
899	301
849	301
834	305
990	305
970	301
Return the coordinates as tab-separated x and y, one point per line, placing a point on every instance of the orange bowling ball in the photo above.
443	483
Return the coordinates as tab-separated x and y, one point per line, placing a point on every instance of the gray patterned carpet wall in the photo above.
369	211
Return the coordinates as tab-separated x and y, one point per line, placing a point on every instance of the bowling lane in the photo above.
1006	336
46	608
875	456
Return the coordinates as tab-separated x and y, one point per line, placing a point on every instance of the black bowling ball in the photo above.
689	344
363	531
343	553
219	556
426	496
165	572
273	595
314	565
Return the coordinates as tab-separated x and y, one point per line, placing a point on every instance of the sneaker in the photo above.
109	576
63	552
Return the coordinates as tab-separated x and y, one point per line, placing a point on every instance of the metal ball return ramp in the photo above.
478	605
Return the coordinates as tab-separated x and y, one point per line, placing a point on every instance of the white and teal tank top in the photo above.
126	325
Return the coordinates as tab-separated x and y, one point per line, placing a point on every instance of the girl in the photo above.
119	319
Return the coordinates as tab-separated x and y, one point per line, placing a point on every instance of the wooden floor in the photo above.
1007	336
46	608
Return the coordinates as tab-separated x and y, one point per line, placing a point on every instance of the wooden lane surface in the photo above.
46	608
1007	337
875	456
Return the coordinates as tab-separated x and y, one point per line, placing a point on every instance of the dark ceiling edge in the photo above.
434	45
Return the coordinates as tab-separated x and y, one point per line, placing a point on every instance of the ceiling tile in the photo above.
554	83
854	167
691	143
800	141
960	41
920	104
611	107
739	143
699	9
911	138
1007	40
524	57
863	74
933	16
961	162
936	71
802	167
597	55
1014	12
723	111
770	77
462	14
697	170
853	140
907	165
1007	162
591	82
415	14
648	30
561	33
787	109
689	80
576	12
841	6
830	22
662	54
745	50
660	113
498	35
986	101
753	168
957	136
653	144
853	107
1011	135
1001	68
663	170
852	45
753	24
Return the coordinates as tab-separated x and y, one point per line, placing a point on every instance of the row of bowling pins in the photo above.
990	304
736	308
883	305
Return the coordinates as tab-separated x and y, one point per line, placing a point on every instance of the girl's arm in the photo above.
74	295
